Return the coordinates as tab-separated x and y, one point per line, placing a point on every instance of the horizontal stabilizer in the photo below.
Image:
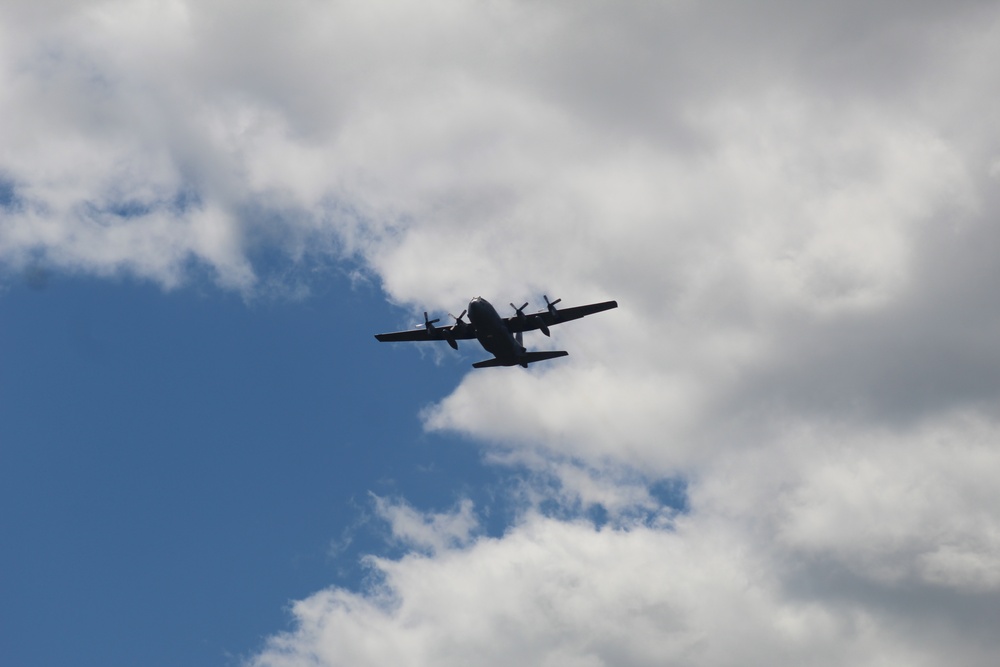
522	359
489	363
530	357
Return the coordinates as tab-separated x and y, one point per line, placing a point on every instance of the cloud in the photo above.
434	532
897	507
391	133
555	592
793	204
816	550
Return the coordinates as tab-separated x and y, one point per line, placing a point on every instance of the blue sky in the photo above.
179	465
785	435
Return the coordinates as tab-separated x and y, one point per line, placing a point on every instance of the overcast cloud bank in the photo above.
795	206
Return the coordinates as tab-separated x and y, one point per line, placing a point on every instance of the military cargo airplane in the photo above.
500	336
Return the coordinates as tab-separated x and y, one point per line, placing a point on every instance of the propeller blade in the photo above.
459	325
551	305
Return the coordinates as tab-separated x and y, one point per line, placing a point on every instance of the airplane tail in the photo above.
523	359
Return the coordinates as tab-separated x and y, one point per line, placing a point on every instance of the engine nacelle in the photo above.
542	326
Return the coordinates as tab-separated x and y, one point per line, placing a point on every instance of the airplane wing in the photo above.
451	332
544	319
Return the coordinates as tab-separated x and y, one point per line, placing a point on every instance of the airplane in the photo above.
500	336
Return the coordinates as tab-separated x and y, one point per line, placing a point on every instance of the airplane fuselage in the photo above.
493	334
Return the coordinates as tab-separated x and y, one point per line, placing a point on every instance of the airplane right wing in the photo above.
544	319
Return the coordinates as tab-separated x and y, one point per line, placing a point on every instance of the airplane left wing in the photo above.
414	335
460	330
467	332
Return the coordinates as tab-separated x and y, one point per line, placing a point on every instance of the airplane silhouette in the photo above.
500	336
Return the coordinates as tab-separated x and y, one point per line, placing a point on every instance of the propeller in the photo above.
429	324
518	336
519	311
460	325
551	305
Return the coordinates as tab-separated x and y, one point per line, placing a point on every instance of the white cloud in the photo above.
434	532
794	205
811	551
552	592
914	504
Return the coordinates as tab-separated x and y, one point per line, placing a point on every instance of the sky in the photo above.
782	448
